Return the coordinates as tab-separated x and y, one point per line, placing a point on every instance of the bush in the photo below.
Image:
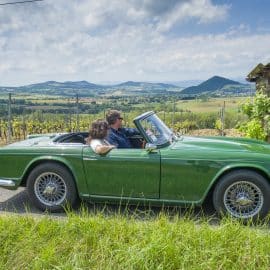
253	129
258	112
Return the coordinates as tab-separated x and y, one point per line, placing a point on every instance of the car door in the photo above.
123	173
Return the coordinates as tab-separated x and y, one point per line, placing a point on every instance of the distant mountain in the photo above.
213	84
68	88
84	88
53	85
146	84
185	83
68	84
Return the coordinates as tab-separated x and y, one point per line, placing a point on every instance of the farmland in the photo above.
45	114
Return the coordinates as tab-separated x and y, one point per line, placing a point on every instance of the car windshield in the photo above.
157	132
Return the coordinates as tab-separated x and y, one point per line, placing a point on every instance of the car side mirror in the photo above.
150	147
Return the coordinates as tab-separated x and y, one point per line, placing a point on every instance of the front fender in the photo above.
236	166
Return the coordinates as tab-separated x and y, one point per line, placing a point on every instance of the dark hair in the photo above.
98	129
112	116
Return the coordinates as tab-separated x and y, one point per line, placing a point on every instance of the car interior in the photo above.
136	141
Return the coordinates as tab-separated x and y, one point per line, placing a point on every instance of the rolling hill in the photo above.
84	88
213	84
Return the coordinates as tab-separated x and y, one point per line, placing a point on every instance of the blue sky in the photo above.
141	40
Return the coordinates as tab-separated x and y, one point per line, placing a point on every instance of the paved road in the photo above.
17	202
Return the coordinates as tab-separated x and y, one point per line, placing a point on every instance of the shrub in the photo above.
258	112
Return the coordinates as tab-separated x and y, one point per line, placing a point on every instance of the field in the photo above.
232	104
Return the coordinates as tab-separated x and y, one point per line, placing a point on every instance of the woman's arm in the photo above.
103	149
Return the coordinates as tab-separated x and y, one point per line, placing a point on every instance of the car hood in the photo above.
223	144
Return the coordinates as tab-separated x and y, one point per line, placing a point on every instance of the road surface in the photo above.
17	202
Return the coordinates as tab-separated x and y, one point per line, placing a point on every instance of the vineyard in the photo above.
40	123
67	116
47	123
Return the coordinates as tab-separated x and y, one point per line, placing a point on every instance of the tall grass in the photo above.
100	241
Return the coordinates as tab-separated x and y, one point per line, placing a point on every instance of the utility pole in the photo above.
223	119
77	113
9	118
173	116
68	120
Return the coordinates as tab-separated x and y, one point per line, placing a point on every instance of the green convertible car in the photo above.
161	169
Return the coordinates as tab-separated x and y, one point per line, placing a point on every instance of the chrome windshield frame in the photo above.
161	134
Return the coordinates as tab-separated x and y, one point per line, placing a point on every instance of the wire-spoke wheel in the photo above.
243	199
242	194
51	187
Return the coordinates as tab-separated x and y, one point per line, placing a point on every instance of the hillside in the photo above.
212	85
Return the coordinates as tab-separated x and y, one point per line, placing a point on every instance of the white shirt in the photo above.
97	142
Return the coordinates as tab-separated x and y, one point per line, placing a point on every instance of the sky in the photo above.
109	41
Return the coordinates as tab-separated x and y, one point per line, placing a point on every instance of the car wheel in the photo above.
51	187
242	194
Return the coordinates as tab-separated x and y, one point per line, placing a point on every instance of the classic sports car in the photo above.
162	169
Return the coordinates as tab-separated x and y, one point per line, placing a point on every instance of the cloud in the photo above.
121	40
202	10
157	7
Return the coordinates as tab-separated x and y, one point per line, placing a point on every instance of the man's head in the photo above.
114	119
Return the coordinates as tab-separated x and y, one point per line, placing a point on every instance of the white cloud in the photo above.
121	40
202	10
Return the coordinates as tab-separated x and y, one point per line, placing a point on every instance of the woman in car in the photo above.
97	134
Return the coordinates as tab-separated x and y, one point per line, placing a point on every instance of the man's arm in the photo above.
112	139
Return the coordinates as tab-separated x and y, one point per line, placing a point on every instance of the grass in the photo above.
119	241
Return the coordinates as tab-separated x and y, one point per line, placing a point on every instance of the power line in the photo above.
20	2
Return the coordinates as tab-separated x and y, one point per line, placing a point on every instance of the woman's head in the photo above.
99	129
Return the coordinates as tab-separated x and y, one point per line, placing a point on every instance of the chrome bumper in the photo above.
7	183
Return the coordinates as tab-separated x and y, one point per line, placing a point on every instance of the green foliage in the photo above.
184	126
253	129
218	124
258	112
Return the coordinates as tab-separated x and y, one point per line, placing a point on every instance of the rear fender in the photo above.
77	173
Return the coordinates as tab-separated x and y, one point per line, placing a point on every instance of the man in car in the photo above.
118	136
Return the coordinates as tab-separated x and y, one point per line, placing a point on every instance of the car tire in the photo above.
242	194
51	187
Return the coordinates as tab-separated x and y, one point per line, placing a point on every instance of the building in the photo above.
261	76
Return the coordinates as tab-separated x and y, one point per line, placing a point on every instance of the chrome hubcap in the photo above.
50	189
243	199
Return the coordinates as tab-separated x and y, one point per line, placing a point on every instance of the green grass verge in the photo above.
98	241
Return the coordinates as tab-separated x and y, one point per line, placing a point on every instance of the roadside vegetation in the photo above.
119	241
